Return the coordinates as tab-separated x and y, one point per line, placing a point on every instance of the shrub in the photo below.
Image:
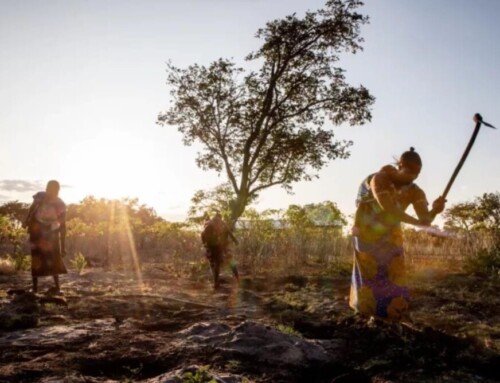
22	262
79	262
199	376
485	261
289	330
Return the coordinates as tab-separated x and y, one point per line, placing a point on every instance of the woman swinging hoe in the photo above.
378	286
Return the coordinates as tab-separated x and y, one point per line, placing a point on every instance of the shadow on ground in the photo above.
107	327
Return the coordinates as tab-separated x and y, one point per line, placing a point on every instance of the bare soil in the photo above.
115	326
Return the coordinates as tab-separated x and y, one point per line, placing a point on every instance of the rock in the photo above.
196	374
21	312
269	345
26	303
56	300
207	332
56	319
53	291
257	342
75	379
352	377
53	336
16	291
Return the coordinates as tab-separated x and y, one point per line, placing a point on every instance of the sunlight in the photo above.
132	248
111	220
109	166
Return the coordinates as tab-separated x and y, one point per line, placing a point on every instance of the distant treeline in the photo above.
112	232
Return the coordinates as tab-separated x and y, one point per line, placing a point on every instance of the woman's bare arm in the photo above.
380	185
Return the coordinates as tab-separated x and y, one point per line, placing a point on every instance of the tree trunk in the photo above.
237	209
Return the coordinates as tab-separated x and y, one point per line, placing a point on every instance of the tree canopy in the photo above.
266	127
481	214
321	214
15	210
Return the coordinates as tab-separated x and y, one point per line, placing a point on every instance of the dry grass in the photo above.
261	248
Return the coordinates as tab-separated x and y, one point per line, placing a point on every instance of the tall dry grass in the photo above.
291	249
453	252
262	247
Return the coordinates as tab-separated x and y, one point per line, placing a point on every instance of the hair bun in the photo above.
410	156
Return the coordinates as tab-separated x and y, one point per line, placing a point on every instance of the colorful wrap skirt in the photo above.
378	285
46	256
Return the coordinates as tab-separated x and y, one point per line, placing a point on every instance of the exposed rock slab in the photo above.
21	312
256	341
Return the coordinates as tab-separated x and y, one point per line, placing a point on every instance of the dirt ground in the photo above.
160	327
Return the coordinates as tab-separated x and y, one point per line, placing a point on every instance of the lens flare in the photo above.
133	250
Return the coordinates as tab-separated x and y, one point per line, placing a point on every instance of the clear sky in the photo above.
82	82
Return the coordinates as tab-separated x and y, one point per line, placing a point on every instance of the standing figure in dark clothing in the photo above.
216	239
46	224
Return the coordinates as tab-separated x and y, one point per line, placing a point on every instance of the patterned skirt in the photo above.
378	285
46	254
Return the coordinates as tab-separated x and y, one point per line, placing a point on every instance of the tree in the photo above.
206	202
15	210
266	127
460	216
11	233
489	211
482	213
325	214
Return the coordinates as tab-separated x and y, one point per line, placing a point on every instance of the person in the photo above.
46	225
216	237
378	285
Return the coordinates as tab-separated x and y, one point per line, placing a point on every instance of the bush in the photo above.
199	376
486	261
21	261
79	262
289	330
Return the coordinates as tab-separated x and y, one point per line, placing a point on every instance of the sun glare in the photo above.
109	166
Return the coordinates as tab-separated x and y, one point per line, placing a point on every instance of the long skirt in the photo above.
378	285
46	254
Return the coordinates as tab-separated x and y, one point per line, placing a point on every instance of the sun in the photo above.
108	166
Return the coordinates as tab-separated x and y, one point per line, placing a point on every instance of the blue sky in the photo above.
81	84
